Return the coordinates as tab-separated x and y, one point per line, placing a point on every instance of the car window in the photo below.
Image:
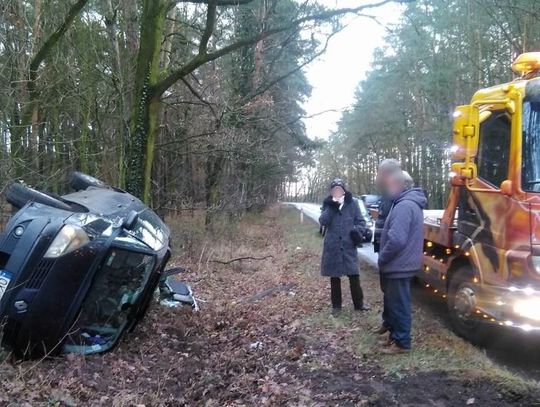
117	286
371	199
530	169
494	148
363	209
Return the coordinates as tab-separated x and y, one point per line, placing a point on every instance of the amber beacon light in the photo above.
527	63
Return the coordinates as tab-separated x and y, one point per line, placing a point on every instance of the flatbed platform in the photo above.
433	216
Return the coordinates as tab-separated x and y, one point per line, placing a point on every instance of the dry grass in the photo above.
436	348
264	336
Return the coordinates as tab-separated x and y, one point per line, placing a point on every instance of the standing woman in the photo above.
344	230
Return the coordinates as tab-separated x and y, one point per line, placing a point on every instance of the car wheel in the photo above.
80	181
19	195
462	303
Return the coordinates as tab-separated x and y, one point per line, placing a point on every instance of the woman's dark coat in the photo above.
340	257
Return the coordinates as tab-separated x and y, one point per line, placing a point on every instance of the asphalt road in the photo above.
313	211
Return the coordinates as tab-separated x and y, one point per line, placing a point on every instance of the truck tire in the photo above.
19	195
80	181
462	300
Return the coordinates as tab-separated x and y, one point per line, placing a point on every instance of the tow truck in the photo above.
482	252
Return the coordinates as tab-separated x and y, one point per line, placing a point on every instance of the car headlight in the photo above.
69	238
529	308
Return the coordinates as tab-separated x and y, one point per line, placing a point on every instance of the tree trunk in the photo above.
118	79
83	143
214	165
145	114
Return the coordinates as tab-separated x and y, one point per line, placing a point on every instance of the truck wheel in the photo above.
19	195
462	303
80	181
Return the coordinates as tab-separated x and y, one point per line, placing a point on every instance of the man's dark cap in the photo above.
338	182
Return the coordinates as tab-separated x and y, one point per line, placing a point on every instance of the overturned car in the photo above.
77	271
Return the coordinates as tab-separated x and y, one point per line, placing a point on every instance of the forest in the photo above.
196	107
207	289
433	60
187	104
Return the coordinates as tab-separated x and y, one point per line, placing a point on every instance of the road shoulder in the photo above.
265	336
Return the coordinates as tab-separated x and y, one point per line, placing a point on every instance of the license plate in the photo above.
5	278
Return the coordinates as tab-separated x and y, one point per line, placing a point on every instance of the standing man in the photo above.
400	257
344	230
386	169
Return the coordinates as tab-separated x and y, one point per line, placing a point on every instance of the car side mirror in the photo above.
507	188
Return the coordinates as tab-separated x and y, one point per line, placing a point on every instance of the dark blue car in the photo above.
77	271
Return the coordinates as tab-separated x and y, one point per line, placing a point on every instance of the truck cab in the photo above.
482	253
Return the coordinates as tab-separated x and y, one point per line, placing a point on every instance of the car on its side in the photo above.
78	271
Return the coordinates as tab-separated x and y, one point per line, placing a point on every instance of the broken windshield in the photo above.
104	313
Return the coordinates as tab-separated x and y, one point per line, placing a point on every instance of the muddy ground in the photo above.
265	336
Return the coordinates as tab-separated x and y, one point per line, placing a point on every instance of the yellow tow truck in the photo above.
482	252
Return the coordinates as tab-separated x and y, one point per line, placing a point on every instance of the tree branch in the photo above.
201	59
209	28
242	258
196	94
218	2
267	86
53	39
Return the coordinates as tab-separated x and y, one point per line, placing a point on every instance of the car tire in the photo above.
80	181
19	195
461	300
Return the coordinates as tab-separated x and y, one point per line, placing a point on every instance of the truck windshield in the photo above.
530	171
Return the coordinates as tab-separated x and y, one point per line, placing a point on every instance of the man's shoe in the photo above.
336	312
385	342
364	307
381	330
394	349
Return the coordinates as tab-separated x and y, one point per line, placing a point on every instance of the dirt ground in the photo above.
265	336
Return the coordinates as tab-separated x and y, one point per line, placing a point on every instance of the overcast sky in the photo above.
335	75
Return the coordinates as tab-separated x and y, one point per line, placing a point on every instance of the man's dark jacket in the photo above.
385	204
402	238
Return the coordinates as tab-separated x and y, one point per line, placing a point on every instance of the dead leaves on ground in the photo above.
264	337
